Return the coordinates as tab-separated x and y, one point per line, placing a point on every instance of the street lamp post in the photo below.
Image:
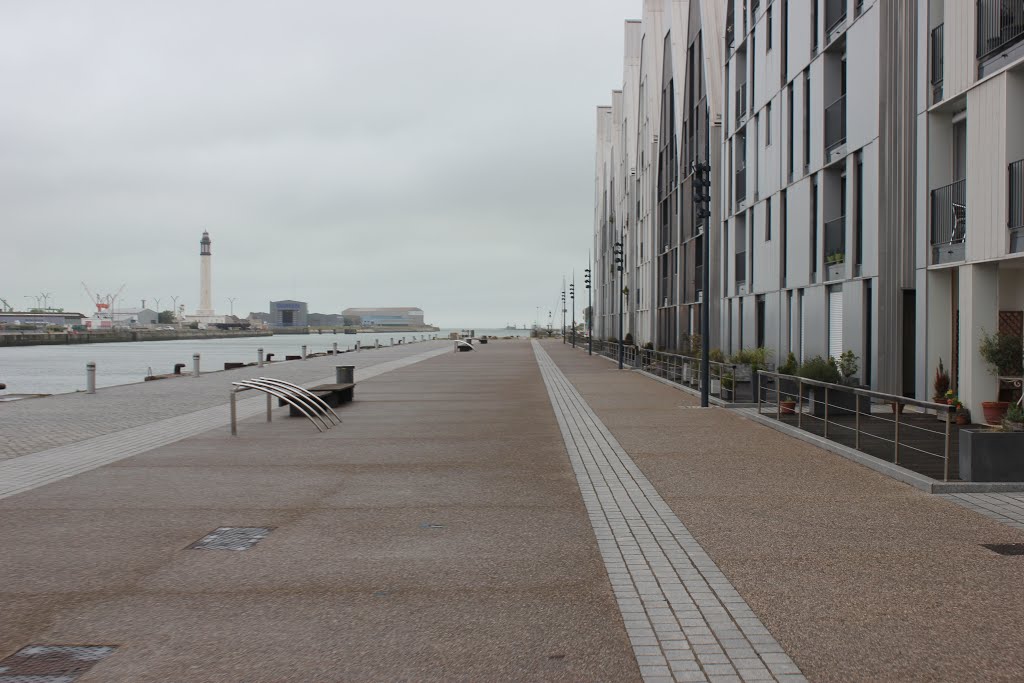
231	302
572	297
620	260
563	313
702	206
589	315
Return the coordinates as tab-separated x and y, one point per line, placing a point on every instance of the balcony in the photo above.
835	249
741	104
698	282
741	185
949	222
1000	25
1016	219
835	126
937	75
741	269
835	14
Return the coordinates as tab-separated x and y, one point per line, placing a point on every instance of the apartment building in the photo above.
868	182
656	126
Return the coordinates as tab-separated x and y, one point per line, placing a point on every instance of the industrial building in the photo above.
289	313
386	317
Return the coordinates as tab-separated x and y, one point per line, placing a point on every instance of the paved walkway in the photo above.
36	425
505	514
1007	508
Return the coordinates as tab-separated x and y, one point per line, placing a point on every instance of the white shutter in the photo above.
835	322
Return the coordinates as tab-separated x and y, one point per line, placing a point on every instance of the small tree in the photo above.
1003	352
941	384
165	317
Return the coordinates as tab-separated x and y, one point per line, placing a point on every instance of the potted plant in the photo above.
834	262
716	356
1013	421
1003	353
728	386
820	370
960	414
788	388
940	386
748	362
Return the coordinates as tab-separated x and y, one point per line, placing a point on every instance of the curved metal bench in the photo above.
312	407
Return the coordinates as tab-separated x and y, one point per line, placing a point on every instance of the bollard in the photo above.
335	348
303	352
270	357
392	341
344	374
259	357
195	364
90	378
178	367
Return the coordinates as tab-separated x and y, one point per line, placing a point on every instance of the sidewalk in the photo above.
437	534
858	577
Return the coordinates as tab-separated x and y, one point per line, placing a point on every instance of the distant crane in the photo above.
103	303
6	307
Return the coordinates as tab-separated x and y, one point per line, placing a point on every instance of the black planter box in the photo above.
842	403
987	455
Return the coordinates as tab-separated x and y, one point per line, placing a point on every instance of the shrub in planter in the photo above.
629	339
1003	353
821	370
941	384
1013	421
788	388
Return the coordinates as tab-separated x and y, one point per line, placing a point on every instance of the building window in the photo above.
768	124
858	219
768	26
807	119
791	142
814	225
783	213
768	220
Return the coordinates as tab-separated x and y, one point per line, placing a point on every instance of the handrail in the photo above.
307	394
889	398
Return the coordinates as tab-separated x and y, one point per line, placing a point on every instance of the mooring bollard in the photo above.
259	357
303	352
392	341
195	364
90	378
344	374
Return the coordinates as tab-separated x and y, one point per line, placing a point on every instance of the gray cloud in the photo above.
376	153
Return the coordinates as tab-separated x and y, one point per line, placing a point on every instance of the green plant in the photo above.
629	339
847	366
757	358
791	365
941	383
716	356
821	370
1003	352
728	381
649	346
1015	413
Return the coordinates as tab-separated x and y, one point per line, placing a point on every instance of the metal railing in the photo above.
835	12
741	267
1000	23
1016	218
835	124
937	63
847	415
949	214
677	368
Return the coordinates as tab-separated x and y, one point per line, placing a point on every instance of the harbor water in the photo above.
61	369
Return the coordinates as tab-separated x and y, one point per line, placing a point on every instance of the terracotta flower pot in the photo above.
963	419
994	411
787	407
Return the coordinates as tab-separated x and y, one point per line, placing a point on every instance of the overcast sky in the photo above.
382	153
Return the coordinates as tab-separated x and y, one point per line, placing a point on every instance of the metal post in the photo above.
896	438
945	472
303	352
335	348
270	408
778	398
826	411
856	433
800	404
259	357
344	374
392	341
705	306
195	364
90	377
234	414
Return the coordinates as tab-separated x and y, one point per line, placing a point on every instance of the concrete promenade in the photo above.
521	512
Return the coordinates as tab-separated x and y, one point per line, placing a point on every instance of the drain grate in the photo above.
431	525
232	538
51	663
1005	548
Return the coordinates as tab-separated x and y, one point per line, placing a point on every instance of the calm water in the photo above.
60	369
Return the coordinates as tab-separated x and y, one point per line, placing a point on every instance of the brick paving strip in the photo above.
27	472
1007	508
685	620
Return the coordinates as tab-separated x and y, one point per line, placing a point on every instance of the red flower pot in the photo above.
994	411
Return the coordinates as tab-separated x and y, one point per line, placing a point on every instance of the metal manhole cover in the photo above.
1005	548
431	525
232	538
51	663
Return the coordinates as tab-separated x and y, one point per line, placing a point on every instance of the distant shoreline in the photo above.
65	338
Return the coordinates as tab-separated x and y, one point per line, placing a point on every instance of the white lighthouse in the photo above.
205	295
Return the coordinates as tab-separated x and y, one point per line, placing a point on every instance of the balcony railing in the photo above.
1016	219
835	124
741	267
937	65
741	102
1000	24
741	184
949	222
835	13
698	281
835	249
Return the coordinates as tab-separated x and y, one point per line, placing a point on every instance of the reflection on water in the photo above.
59	369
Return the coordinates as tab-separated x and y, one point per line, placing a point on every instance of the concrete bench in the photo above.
332	394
